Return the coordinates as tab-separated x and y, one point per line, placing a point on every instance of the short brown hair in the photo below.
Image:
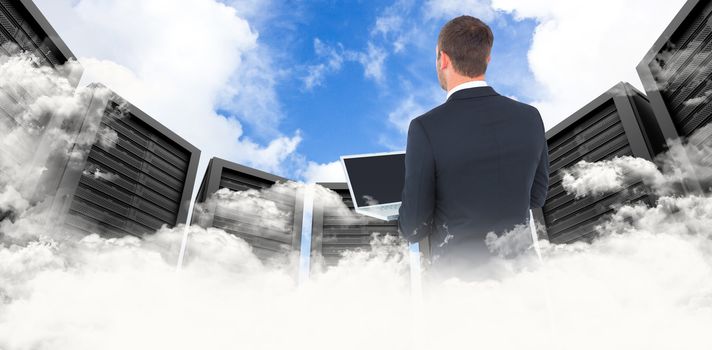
467	41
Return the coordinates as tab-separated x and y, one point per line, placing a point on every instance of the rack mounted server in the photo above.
620	122
133	185
336	231
23	28
677	76
269	240
23	24
677	71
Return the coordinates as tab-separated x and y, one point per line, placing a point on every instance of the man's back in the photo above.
475	164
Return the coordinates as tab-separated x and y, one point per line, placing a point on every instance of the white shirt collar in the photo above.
467	85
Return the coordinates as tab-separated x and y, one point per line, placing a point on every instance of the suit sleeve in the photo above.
541	177
415	215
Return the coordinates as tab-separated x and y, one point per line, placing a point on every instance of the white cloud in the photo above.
387	24
91	293
333	62
315	76
582	48
408	109
372	61
31	93
399	26
180	74
585	178
324	172
250	94
413	105
333	57
453	8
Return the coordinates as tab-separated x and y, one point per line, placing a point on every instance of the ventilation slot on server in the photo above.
26	145
677	71
22	24
268	217
337	229
608	127
137	177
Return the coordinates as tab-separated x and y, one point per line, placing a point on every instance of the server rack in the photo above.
24	28
142	181
23	24
268	243
677	76
335	231
677	71
620	122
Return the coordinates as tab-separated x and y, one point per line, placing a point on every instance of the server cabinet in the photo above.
617	123
677	71
335	230
135	182
22	24
677	76
272	238
24	28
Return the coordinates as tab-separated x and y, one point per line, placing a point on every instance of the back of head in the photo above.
468	42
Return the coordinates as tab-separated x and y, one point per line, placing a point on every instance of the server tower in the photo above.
620	122
677	71
677	76
135	182
23	24
24	29
335	231
269	242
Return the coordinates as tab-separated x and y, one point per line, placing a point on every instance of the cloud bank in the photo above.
197	67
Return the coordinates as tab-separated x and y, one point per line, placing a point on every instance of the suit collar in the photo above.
472	93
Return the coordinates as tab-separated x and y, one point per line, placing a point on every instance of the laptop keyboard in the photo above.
389	207
390	211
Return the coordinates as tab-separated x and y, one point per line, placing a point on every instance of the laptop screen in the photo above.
376	179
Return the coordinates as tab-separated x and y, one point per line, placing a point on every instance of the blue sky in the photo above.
348	111
289	86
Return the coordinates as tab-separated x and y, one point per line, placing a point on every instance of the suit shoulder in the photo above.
518	104
524	108
429	115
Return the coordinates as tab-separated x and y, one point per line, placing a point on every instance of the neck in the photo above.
457	80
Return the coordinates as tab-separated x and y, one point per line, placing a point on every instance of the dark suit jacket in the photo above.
475	164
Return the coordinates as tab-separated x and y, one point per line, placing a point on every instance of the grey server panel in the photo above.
677	71
617	123
268	242
336	231
22	23
24	28
131	187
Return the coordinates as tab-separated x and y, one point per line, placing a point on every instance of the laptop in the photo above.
376	183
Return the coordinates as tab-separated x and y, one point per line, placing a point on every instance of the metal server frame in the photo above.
153	170
333	234
266	242
677	75
619	122
23	23
678	69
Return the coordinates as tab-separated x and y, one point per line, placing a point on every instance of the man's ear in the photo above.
488	58
444	60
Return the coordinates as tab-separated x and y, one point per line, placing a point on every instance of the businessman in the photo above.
475	164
